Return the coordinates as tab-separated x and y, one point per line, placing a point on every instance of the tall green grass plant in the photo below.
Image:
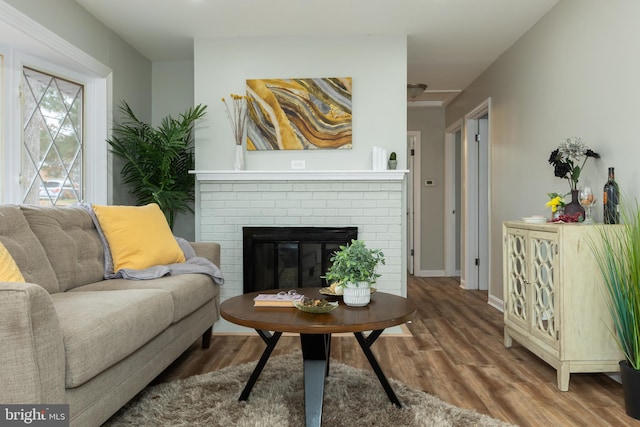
618	256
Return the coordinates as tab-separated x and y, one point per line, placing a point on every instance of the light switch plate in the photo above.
298	164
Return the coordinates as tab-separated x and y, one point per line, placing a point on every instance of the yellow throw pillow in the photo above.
9	271
139	237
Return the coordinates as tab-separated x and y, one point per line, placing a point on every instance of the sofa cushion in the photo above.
9	271
70	241
99	329
25	248
139	237
189	291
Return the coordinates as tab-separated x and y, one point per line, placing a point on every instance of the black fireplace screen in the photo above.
290	257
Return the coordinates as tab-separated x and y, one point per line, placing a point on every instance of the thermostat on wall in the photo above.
429	182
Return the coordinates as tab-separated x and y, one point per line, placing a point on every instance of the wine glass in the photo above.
587	199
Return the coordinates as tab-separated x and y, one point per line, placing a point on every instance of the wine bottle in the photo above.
611	200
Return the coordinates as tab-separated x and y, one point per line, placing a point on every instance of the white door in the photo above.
452	202
476	226
483	203
411	145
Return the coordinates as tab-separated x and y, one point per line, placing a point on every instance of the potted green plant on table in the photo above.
617	253
157	160
354	269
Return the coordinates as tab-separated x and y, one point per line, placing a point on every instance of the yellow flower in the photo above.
555	201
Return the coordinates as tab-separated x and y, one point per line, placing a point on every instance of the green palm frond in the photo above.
157	160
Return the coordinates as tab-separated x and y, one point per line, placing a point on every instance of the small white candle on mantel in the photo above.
378	158
374	158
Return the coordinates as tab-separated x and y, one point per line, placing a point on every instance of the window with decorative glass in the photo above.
52	142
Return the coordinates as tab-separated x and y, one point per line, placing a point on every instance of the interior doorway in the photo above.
476	231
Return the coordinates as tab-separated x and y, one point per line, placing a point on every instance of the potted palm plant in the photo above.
618	256
157	160
354	268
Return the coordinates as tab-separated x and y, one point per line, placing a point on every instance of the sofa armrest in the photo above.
32	350
208	250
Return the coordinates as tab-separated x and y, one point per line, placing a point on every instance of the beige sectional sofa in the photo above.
68	336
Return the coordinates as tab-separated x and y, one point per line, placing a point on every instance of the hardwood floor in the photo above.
457	354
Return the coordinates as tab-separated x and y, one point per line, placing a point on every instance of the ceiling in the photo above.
449	42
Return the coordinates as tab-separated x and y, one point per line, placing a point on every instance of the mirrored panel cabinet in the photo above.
554	298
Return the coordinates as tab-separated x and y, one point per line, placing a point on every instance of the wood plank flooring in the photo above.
457	354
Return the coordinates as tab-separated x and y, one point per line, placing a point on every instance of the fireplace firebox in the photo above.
290	257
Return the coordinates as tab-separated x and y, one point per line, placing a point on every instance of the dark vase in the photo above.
573	207
631	389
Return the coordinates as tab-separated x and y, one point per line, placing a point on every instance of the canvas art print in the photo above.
299	114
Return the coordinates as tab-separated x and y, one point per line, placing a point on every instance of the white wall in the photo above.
172	89
575	73
377	64
172	92
430	122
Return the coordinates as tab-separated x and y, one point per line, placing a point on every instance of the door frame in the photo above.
450	208
470	230
413	180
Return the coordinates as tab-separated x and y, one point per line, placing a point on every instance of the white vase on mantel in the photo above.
357	294
239	162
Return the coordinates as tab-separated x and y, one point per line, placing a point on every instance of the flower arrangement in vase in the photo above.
237	113
568	162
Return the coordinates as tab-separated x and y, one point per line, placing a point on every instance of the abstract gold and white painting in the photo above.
299	114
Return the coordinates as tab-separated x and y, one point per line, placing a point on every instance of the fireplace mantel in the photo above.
300	175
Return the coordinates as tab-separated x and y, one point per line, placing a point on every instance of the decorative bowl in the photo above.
317	309
535	219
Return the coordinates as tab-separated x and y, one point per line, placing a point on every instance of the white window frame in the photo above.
43	50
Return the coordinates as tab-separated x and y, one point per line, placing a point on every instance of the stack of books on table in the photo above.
275	300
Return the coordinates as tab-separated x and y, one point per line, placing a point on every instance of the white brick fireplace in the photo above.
373	201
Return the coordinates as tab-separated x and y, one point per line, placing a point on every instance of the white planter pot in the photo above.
357	294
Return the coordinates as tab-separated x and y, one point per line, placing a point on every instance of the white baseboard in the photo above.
496	303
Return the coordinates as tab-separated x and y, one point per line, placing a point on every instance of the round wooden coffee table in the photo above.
384	311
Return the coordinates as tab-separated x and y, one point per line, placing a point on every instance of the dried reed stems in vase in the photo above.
237	113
